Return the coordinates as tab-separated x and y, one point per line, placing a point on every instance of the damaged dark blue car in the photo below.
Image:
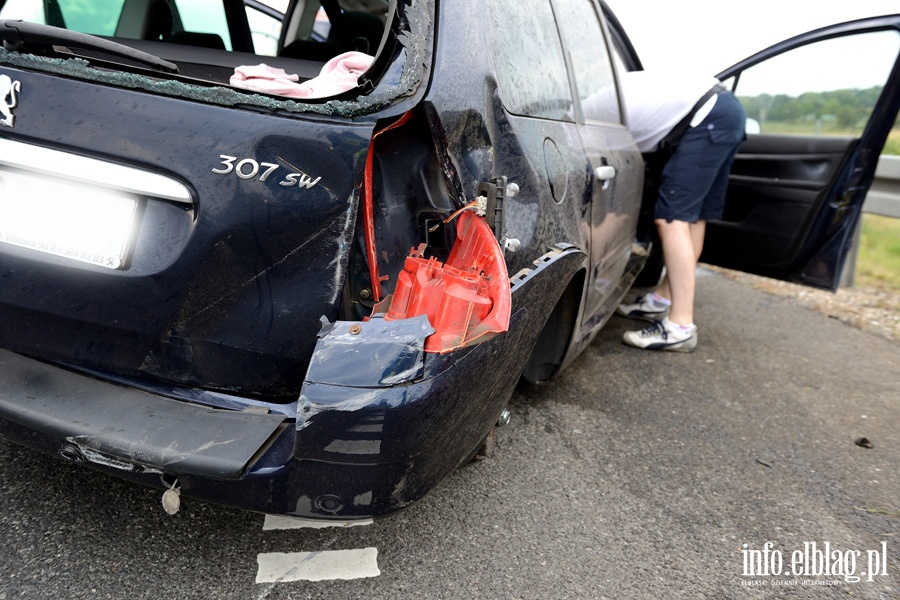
319	305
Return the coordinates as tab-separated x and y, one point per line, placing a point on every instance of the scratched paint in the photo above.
277	567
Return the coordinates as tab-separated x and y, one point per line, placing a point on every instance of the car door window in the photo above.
819	89
265	28
529	60
86	16
589	57
204	16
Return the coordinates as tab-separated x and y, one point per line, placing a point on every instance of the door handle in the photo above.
605	173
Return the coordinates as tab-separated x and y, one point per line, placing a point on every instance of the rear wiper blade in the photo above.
16	33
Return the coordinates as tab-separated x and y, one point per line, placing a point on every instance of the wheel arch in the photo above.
549	352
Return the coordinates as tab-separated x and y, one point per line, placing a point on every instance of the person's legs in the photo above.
681	264
697	233
681	245
692	190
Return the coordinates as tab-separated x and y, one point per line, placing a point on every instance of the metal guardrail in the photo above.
884	195
883	199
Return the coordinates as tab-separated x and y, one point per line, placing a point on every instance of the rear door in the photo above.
613	160
820	107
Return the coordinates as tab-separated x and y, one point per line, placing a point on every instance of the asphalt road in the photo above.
634	475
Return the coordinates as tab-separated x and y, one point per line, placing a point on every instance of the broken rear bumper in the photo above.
352	451
379	423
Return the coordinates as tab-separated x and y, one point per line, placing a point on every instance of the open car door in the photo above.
820	107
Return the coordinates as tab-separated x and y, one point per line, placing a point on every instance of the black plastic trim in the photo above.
129	425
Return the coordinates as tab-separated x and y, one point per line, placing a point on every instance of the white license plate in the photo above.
75	221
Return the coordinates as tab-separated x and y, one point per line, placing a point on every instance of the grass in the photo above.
879	253
892	145
879	250
879	511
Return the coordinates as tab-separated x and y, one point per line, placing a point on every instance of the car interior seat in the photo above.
193	38
311	50
360	31
350	30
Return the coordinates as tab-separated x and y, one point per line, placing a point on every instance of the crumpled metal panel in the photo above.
374	353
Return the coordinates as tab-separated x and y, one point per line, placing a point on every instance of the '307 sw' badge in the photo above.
8	99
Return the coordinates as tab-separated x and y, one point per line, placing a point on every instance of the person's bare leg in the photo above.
681	266
698	233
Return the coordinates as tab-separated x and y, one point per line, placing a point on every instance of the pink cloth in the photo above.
339	74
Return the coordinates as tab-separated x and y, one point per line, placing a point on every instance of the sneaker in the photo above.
646	308
663	335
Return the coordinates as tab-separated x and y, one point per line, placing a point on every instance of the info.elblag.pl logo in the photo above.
814	560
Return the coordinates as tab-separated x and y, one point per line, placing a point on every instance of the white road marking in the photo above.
277	567
279	522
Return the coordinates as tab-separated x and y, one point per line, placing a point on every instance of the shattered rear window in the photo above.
199	47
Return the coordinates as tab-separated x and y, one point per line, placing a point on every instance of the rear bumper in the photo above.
352	452
101	420
379	422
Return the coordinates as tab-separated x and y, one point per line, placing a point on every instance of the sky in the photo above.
711	35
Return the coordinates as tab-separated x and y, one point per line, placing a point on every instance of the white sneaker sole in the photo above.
688	345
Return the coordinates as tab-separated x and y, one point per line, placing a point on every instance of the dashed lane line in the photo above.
276	567
278	522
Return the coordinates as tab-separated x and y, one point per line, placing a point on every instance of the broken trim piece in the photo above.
384	354
369	211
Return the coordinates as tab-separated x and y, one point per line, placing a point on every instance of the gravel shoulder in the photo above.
868	308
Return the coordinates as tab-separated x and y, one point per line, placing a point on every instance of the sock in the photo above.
659	300
679	326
